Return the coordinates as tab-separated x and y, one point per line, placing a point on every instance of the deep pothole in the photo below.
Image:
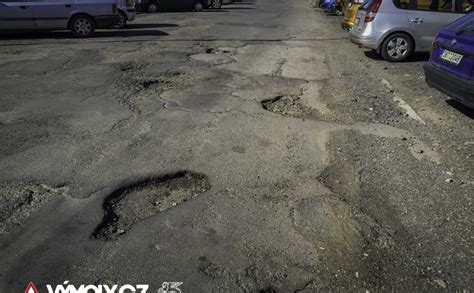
130	204
290	105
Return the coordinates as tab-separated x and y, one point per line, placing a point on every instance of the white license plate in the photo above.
452	57
357	21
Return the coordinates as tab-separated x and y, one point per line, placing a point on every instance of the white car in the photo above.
81	17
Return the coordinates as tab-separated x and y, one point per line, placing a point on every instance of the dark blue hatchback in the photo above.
451	65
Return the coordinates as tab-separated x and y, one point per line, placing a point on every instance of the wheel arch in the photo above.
124	13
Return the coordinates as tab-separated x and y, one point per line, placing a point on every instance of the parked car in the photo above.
327	4
350	14
397	28
217	4
127	12
152	6
80	17
451	65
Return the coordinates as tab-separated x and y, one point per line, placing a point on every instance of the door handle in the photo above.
416	20
24	7
68	5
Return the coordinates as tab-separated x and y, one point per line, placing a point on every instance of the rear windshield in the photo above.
465	24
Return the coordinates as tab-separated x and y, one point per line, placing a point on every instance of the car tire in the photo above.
152	7
82	26
122	22
397	47
216	4
198	6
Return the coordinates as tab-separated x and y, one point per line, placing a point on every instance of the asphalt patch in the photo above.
133	203
19	200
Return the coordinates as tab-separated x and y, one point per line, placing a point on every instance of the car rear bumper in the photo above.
106	21
462	90
366	42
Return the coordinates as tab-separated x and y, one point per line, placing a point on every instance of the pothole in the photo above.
213	59
148	83
163	82
217	56
139	92
289	105
131	66
19	200
130	204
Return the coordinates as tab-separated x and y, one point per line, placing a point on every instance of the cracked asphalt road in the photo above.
312	164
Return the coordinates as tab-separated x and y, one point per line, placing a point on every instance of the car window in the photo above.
464	6
402	4
435	5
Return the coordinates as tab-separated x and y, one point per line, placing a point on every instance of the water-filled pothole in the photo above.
130	204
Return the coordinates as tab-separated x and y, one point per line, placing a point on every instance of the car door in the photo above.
167	4
52	13
176	5
16	14
427	17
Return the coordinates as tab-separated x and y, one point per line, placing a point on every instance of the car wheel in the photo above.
152	7
122	22
198	6
397	47
82	26
216	4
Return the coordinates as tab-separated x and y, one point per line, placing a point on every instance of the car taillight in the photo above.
115	8
373	11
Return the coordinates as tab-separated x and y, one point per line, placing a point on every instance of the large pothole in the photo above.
140	92
130	204
289	105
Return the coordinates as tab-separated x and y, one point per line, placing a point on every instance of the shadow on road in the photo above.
149	25
239	8
26	35
461	108
416	57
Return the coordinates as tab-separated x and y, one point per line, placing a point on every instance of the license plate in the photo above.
357	21
452	57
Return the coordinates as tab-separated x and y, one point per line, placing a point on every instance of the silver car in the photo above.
397	28
127	12
82	17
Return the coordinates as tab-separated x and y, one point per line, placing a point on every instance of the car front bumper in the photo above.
462	90
106	21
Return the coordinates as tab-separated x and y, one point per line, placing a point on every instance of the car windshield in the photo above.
463	25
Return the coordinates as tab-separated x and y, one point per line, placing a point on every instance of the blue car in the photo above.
451	65
332	6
